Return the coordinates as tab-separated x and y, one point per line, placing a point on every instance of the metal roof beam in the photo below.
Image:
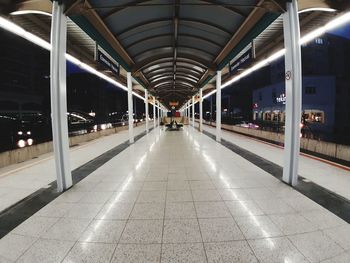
210	41
153	61
167	46
189	21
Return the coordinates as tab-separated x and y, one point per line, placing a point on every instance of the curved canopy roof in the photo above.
173	46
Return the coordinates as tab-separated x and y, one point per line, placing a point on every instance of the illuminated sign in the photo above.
281	98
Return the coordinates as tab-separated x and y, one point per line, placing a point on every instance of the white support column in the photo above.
130	108
188	112
154	112
293	77
146	110
218	106
59	97
193	111
159	113
200	110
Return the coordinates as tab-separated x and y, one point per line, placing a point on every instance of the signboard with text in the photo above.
108	63
241	62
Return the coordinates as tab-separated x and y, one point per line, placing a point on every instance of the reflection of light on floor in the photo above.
140	162
210	161
151	147
116	199
252	216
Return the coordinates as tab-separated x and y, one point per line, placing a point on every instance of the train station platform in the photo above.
327	174
21	180
174	196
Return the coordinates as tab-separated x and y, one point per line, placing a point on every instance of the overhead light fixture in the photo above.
19	31
26	12
321	9
335	23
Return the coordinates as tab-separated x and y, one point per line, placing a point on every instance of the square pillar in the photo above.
193	111
218	106
188	112
293	79
146	110
130	108
159	113
59	97
200	110
154	112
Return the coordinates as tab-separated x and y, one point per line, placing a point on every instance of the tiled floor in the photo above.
179	197
330	177
20	180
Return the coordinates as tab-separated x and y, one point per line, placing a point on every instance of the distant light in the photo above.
20	133
29	132
21	143
30	141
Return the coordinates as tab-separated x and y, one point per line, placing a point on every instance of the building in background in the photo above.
325	94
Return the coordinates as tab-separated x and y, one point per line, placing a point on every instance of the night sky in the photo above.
343	31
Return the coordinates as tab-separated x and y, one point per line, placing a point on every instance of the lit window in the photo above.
319	41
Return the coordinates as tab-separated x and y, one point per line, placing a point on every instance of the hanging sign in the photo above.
105	61
241	62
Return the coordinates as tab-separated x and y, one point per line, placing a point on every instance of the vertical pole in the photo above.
188	112
159	113
193	111
200	110
59	97
218	106
154	112
211	108
146	110
130	108
293	93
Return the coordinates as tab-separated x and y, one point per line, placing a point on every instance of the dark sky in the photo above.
72	69
343	31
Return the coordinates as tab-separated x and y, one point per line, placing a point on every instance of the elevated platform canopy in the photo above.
174	47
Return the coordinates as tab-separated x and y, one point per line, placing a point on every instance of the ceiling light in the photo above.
321	9
25	12
337	22
15	29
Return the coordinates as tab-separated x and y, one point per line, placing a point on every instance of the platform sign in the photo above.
244	60
105	61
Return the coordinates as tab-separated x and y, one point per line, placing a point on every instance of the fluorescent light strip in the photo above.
337	22
25	12
15	29
321	9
